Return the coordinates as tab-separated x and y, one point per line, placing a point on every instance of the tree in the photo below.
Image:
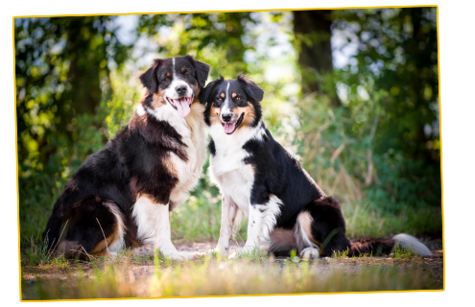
61	73
313	32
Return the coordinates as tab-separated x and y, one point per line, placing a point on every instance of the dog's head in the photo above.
174	81
232	103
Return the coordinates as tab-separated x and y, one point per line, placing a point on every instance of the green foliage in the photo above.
381	147
371	152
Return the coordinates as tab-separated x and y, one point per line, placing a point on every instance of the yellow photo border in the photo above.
232	11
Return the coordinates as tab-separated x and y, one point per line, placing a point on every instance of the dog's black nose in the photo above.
181	89
227	117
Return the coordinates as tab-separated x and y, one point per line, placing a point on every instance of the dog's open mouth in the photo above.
182	105
229	128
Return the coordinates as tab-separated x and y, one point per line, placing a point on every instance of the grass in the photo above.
50	278
404	253
212	275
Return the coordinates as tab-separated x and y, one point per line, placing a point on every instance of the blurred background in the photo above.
352	93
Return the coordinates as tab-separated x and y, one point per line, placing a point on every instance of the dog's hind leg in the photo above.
95	227
307	245
323	224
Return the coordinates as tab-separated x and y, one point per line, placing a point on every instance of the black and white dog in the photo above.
123	194
256	175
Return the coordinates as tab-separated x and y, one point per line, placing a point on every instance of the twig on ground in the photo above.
105	239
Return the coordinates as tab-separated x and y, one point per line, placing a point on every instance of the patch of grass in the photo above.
403	253
254	255
341	254
208	276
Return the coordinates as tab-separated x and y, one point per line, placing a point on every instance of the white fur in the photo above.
118	244
169	114
261	224
300	232
310	252
225	109
140	110
153	222
410	242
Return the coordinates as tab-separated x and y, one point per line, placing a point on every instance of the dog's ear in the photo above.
252	89
206	92
149	77
202	71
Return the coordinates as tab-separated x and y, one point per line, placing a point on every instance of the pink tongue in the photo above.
182	106
229	128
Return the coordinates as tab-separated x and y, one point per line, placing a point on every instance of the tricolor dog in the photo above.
286	209
122	195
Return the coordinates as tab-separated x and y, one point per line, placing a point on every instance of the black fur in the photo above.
132	162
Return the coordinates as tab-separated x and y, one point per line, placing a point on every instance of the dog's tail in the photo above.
283	241
378	246
404	240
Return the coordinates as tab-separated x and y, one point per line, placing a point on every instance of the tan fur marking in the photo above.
306	220
101	246
197	90
170	166
158	100
222	95
249	116
150	197
234	95
214	114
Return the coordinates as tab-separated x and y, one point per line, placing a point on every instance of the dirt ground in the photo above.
433	264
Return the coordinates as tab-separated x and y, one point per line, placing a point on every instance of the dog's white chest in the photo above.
229	172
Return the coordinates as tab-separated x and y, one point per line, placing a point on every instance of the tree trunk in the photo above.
313	30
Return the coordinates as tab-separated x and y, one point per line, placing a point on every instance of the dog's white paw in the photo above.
246	250
309	252
143	251
180	256
224	251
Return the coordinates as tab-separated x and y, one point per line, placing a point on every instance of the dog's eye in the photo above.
238	98
187	74
219	99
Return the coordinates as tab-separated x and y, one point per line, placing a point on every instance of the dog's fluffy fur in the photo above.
122	194
255	174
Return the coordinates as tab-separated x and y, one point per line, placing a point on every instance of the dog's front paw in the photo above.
223	250
247	250
309	252
143	251
180	256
